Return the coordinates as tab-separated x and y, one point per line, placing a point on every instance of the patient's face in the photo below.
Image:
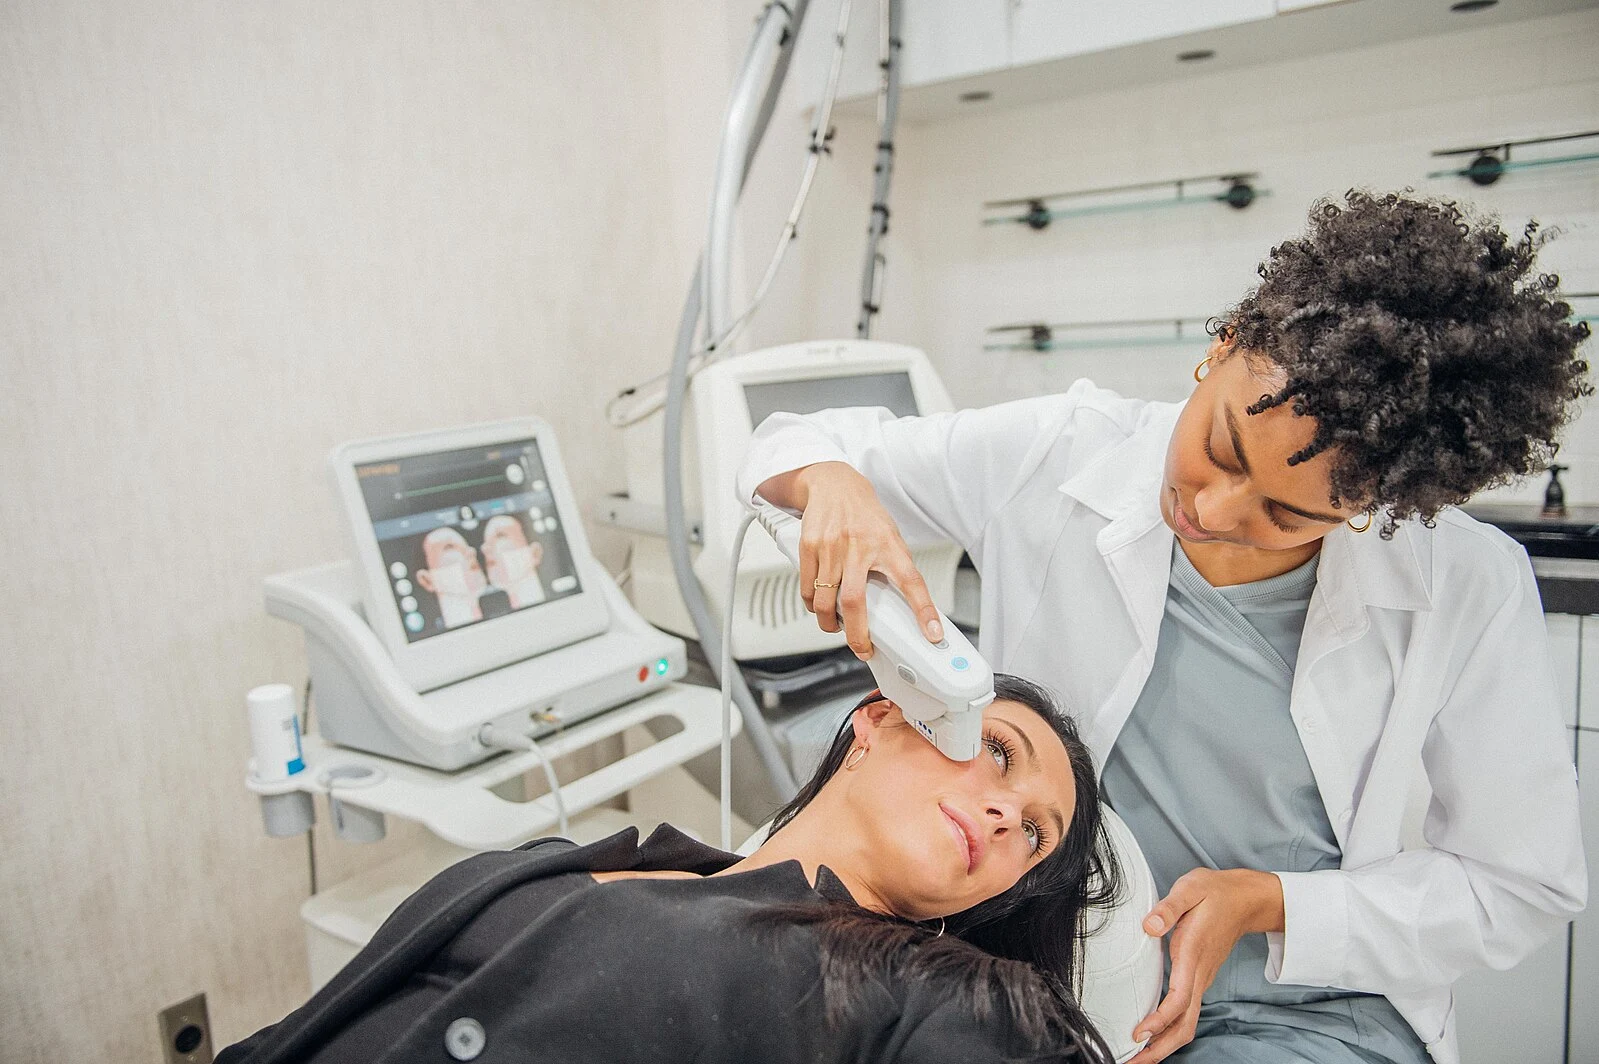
944	835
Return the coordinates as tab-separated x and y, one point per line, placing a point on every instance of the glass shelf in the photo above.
1041	217
1095	345
1040	337
1519	164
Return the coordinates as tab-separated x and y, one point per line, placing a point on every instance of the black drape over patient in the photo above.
520	956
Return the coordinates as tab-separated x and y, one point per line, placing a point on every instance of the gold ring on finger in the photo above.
819	584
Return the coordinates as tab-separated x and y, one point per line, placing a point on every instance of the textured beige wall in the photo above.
233	235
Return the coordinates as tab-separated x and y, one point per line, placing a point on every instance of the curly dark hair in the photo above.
1433	360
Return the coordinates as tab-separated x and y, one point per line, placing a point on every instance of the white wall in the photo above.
233	236
1311	127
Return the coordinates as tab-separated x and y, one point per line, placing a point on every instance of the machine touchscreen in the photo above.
467	535
807	395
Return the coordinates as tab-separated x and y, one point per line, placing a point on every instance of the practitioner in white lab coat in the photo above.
1264	680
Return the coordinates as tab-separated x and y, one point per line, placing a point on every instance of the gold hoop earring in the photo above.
1198	376
854	757
1363	527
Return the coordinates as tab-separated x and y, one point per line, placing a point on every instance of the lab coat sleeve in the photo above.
1503	865
940	477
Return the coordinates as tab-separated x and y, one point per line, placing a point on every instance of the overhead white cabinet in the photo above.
946	39
939	40
1055	29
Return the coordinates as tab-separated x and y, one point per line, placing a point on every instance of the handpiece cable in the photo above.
502	739
726	792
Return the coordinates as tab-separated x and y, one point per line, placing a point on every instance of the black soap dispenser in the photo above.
1554	496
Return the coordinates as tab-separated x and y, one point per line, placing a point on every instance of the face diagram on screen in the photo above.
467	535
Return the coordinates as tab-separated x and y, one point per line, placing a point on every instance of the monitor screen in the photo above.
892	390
467	535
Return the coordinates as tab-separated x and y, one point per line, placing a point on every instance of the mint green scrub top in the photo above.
1209	773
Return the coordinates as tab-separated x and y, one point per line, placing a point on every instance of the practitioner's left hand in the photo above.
1206	913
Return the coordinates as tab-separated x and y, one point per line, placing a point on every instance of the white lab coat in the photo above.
1423	653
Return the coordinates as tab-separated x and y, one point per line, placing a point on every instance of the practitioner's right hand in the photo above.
844	535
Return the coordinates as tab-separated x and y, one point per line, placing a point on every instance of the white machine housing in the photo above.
771	617
363	702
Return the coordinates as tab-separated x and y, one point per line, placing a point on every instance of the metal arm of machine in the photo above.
640	401
766	63
737	153
883	172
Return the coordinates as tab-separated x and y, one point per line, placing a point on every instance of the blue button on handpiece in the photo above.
959	664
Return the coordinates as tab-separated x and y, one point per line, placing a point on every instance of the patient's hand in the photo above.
1206	913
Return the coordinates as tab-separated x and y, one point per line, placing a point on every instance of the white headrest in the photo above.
1123	966
753	843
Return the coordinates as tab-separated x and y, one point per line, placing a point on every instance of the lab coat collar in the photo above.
1123	484
1357	570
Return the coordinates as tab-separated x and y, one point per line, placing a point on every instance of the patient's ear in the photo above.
873	716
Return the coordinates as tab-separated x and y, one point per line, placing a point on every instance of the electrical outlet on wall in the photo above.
186	1032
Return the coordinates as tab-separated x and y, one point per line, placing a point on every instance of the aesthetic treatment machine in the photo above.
473	637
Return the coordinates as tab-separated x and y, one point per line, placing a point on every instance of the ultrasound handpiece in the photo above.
941	688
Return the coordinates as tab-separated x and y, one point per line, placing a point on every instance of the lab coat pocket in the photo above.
1445	1029
1431	1015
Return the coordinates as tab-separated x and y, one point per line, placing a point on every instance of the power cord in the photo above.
727	684
503	739
310	835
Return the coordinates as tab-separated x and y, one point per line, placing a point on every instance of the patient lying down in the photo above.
905	908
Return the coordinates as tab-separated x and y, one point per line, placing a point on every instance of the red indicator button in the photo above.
643	673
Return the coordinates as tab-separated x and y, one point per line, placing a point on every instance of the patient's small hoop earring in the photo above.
1198	376
1361	528
940	928
854	757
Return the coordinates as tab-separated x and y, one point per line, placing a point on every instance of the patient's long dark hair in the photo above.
1020	952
